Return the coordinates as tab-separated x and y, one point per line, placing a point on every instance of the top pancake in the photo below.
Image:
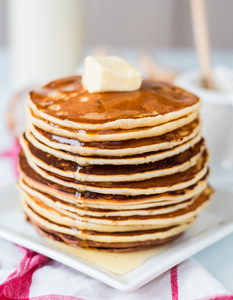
66	103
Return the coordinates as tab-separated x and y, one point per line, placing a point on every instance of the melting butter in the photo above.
118	263
110	74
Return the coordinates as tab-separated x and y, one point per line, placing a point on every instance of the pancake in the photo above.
146	187
107	247
153	104
98	160
64	207
171	165
120	148
110	134
106	201
87	221
39	209
113	171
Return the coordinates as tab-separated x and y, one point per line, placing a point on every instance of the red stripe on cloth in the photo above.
17	285
13	154
174	284
220	297
55	297
45	297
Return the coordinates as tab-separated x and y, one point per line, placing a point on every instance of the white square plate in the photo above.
213	224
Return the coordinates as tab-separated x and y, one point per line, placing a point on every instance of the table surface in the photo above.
218	258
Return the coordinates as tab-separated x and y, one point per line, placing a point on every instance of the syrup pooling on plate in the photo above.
118	263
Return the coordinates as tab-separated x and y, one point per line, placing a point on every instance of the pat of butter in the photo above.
110	74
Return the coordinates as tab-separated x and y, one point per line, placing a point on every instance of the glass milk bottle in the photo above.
46	39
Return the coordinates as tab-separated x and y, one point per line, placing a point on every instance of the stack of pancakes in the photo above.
114	171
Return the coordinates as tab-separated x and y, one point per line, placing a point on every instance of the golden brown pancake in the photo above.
146	187
108	247
71	207
122	222
154	103
171	165
112	160
119	148
105	201
111	134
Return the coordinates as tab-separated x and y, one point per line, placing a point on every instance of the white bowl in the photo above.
217	117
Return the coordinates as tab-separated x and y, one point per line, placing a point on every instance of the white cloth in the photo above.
193	281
